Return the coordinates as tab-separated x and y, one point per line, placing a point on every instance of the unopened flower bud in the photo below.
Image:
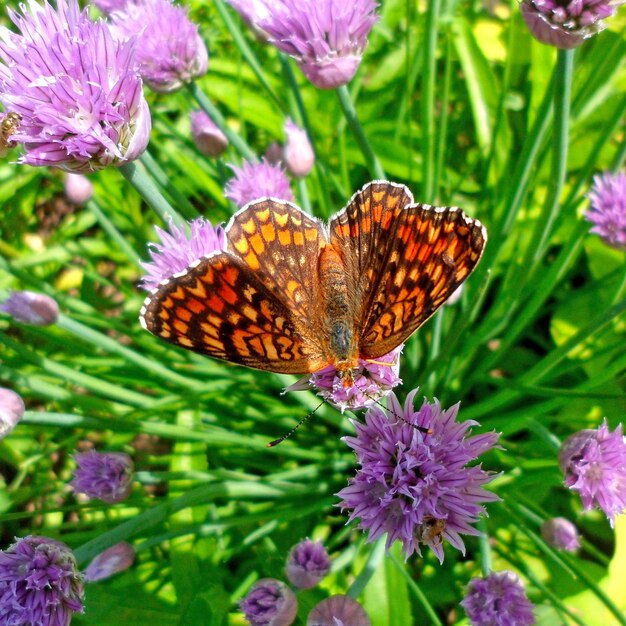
78	188
270	602
31	308
116	559
560	533
298	152
338	610
307	564
11	410
209	139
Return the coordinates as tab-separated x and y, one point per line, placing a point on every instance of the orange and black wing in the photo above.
430	252
220	308
403	260
281	244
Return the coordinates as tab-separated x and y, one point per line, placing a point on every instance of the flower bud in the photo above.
209	139
78	188
307	564
298	152
560	533
270	603
31	308
338	610
11	410
116	559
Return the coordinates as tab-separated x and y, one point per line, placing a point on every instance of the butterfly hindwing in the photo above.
220	308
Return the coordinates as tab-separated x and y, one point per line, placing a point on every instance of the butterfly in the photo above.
292	295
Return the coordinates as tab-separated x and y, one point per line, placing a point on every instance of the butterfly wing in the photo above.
220	308
406	266
281	244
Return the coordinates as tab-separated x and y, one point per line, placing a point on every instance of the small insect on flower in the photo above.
9	124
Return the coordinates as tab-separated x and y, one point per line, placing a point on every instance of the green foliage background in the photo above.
461	107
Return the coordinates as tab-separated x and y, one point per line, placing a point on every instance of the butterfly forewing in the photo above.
429	252
220	308
361	231
281	245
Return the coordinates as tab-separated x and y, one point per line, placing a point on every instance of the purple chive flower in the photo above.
31	308
608	208
270	603
414	485
338	611
77	113
372	381
307	564
178	250
594	464
327	38
107	476
78	188
11	410
566	23
108	6
39	583
170	51
560	533
498	600
257	180
116	559
298	152
209	139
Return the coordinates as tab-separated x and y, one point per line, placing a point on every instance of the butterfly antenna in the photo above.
305	419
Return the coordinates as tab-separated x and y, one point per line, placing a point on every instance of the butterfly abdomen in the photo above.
337	309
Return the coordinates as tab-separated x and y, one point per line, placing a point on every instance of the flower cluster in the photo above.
608	208
39	583
258	180
414	483
498	600
76	113
107	476
594	464
170	51
178	249
327	38
566	23
371	381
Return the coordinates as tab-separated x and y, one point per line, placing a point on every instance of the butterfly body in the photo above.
289	294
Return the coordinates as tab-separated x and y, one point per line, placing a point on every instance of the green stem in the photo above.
562	96
113	233
373	165
442	131
428	99
212	111
247	53
303	193
376	556
155	170
135	173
